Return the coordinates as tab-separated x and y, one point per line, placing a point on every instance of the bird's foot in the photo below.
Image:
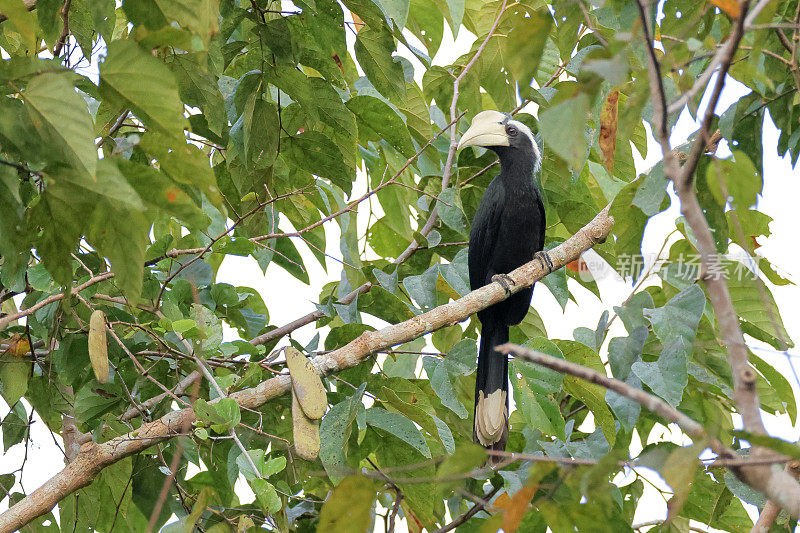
505	281
544	260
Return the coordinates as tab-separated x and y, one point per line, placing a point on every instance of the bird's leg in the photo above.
505	281
544	260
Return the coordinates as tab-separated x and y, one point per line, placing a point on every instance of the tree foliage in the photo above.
171	134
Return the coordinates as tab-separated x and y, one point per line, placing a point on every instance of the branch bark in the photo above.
93	457
6	320
653	403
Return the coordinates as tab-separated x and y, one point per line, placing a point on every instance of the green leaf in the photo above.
443	372
765	441
15	426
221	416
399	426
377	121
334	431
397	10
679	470
14	372
62	119
314	152
198	87
675	324
594	397
22	20
632	313
422	288
448	205
122	235
255	134
532	29
734	180
108	182
711	502
266	494
158	190
556	282
629	223
348	508
538	410
755	305
679	317
266	468
131	78
374	49
563	128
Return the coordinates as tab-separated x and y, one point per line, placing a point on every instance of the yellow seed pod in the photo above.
304	431
306	384
98	346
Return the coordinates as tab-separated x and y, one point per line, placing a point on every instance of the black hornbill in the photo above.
507	231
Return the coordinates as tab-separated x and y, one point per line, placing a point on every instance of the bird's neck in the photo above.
518	167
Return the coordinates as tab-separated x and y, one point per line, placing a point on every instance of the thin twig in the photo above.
65	29
6	320
475	509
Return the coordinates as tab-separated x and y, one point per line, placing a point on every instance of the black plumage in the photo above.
507	231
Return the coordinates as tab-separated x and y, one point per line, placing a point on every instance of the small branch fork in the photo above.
778	486
94	457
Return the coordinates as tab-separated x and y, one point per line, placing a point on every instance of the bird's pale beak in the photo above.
487	129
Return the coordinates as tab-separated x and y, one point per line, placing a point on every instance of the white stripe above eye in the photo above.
527	131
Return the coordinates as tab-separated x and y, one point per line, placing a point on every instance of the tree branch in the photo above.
653	403
6	320
775	485
65	29
475	509
93	457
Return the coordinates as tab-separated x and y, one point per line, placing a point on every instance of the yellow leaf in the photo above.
306	384
17	345
22	347
305	432
731	7
515	507
608	129
98	346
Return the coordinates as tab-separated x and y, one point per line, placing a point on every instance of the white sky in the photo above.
288	299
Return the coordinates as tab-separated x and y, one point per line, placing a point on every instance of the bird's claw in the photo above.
544	260
505	281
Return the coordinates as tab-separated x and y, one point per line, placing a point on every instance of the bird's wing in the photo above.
542	224
483	235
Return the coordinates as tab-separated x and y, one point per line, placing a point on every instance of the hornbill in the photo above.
507	231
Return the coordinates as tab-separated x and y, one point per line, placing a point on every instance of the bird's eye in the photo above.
511	130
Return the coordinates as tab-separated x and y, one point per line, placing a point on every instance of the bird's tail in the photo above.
491	389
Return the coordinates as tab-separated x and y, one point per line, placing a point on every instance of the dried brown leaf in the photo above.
731	7
608	129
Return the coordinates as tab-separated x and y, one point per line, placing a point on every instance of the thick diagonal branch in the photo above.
653	403
93	457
